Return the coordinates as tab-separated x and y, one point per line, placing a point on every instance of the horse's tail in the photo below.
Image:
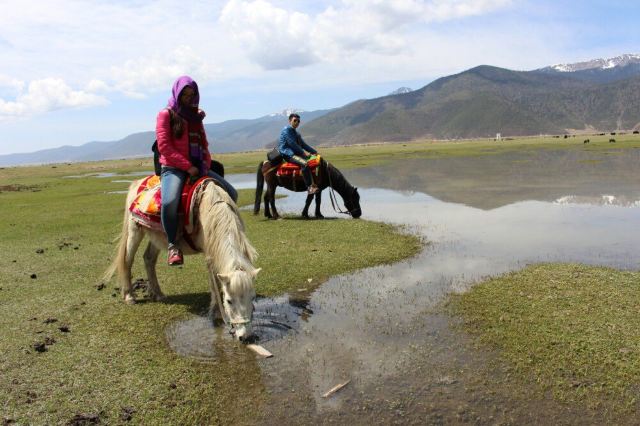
259	187
119	261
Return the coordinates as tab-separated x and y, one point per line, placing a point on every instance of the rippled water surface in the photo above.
381	327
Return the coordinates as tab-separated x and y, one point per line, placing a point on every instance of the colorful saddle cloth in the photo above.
145	208
293	170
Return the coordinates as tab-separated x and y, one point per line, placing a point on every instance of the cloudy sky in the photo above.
74	71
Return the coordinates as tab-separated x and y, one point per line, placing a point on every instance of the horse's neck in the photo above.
338	182
225	245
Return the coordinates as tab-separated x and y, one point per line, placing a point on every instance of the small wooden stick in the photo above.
335	389
260	350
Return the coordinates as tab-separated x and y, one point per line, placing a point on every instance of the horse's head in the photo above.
352	203
238	292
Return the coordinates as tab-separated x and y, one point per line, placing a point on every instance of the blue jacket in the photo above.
291	143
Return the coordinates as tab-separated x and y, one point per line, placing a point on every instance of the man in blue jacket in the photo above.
292	148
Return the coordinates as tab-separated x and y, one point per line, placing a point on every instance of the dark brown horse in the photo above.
327	176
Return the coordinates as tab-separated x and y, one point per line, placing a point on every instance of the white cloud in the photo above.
276	38
13	85
273	37
158	72
97	86
46	95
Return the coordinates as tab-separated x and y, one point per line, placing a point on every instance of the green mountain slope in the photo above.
481	102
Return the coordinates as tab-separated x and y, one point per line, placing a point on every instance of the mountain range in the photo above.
486	100
228	136
593	96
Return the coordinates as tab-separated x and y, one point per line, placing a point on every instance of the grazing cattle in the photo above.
613	133
635	132
586	141
612	140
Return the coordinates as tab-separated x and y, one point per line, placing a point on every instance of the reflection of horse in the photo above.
328	176
219	235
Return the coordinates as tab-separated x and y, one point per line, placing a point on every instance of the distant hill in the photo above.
600	70
593	96
228	136
481	102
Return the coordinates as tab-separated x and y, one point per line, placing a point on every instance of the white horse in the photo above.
219	235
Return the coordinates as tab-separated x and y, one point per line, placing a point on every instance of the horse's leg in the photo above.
267	204
318	202
150	261
274	213
307	203
134	237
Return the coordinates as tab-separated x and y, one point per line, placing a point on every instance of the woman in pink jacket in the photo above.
184	153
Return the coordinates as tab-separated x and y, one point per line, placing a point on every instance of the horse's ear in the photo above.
255	272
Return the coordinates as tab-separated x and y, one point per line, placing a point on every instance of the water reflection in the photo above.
379	326
497	180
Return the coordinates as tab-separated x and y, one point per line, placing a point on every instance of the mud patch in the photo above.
20	188
84	420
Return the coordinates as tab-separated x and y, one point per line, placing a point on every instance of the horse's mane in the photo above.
340	183
225	244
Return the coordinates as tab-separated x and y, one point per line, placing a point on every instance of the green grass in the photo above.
573	329
373	154
115	357
570	327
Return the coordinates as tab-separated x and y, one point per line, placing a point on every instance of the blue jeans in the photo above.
172	182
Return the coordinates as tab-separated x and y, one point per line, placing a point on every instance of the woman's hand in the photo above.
193	171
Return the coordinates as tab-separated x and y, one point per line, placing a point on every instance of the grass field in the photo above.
105	360
571	329
108	361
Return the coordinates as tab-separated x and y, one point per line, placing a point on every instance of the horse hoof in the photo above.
129	300
319	216
158	297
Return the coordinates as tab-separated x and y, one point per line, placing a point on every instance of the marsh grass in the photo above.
357	156
113	361
114	358
573	329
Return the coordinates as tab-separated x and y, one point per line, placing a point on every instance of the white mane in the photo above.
225	244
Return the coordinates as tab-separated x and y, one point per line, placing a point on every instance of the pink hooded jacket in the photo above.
175	152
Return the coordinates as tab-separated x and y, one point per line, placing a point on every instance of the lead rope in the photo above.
332	195
216	290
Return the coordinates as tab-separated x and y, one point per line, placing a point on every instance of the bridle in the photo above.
217	291
332	196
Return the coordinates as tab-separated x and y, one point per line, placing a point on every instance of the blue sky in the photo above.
80	71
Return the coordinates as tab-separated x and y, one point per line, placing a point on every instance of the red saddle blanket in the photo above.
293	170
145	207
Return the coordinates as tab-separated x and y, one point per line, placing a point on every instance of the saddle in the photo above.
145	208
293	170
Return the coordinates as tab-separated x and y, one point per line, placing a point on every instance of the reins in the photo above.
332	195
214	285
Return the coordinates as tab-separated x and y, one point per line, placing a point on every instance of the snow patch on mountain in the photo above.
400	91
285	112
603	64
